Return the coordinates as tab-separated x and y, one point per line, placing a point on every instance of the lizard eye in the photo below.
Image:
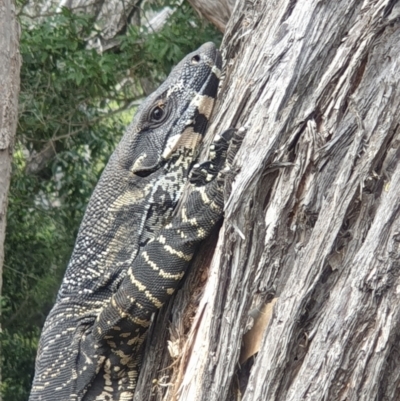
157	114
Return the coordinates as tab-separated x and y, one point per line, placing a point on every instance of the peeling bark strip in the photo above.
318	83
217	12
10	64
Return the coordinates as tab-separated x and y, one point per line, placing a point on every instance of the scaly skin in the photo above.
131	251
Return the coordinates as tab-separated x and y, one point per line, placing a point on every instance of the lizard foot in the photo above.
203	173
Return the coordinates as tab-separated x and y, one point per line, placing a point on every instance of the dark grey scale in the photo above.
156	217
200	123
214	80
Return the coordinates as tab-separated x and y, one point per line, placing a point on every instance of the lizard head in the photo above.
173	119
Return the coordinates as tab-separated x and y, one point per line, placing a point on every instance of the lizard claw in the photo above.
203	173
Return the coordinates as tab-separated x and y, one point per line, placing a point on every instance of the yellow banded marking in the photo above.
185	219
136	282
206	200
123	358
216	71
123	314
180	254
204	104
142	288
150	262
204	197
138	163
201	233
140	322
187	139
171	276
161	272
134	340
120	311
157	303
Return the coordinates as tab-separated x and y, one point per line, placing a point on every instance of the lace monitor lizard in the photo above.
132	249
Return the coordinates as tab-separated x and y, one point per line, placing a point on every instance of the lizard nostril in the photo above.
195	59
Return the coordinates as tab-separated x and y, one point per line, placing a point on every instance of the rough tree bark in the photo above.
9	88
313	221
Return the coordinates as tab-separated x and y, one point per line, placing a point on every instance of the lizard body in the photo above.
131	250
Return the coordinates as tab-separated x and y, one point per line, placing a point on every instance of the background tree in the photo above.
312	225
217	12
75	102
9	83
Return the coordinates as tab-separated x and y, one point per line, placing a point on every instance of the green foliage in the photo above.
183	33
74	104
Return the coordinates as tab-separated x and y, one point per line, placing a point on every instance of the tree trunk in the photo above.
9	88
313	221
